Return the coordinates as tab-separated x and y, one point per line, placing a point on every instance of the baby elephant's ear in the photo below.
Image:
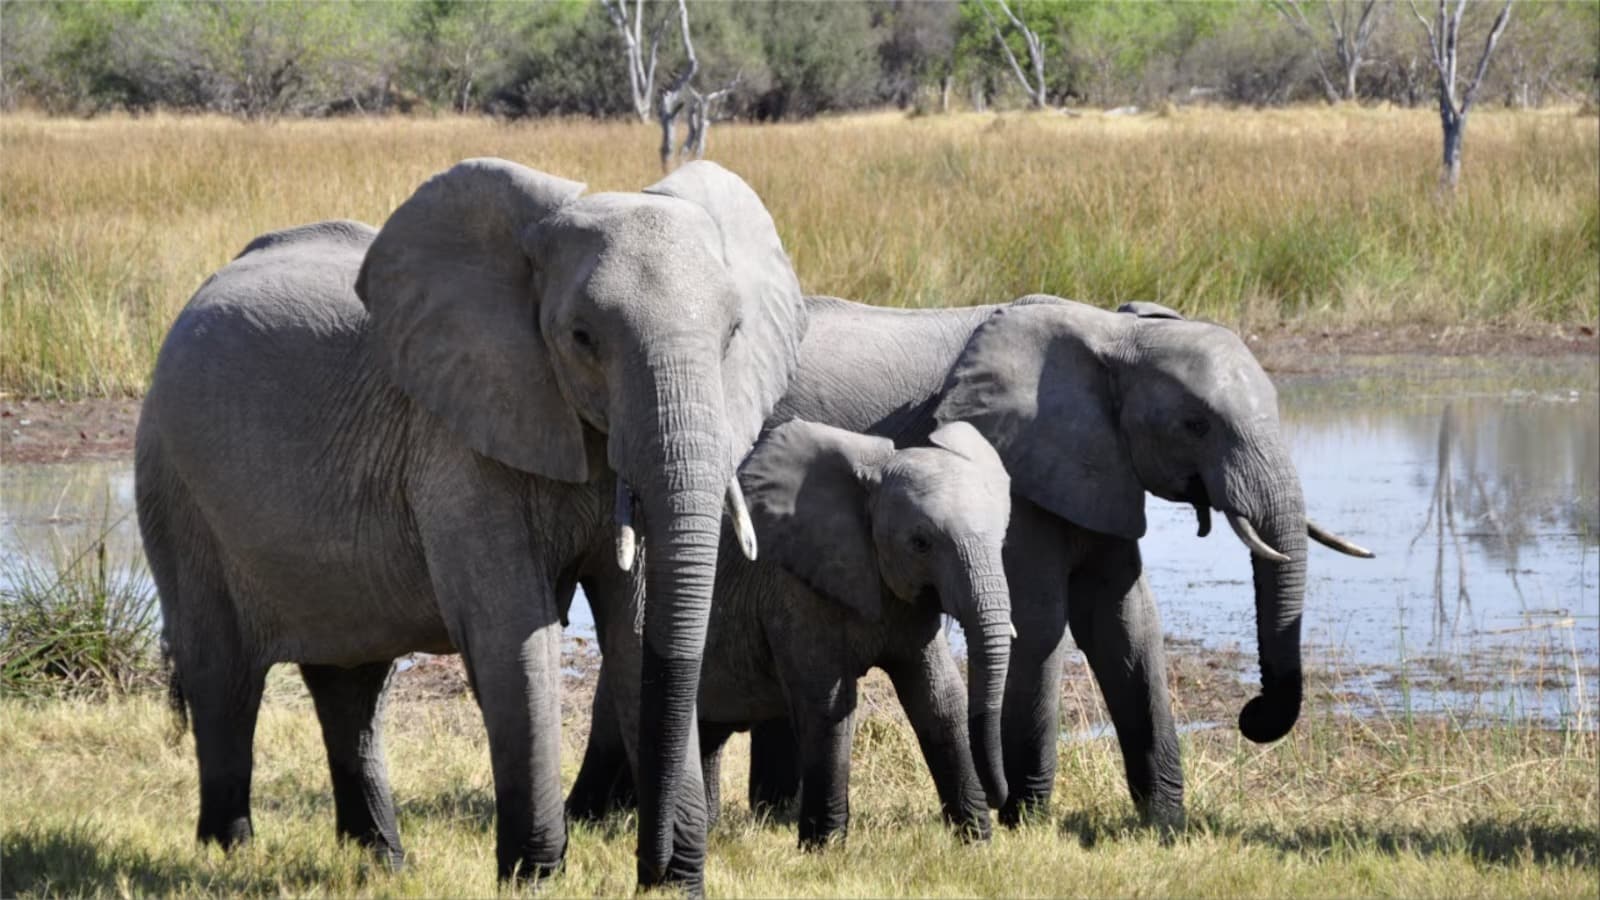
964	441
807	487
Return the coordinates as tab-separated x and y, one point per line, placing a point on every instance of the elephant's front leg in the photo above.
1030	726
499	605
605	781
934	698
826	723
1114	622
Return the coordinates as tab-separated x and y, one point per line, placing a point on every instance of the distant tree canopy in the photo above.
791	58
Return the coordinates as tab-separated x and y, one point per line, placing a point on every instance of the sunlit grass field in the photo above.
100	799
1314	217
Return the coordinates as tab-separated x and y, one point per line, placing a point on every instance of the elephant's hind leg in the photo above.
215	675
350	705
223	688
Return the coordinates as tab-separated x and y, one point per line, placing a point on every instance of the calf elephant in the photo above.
358	444
1089	410
865	546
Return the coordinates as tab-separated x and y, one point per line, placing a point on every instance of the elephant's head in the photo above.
865	524
559	334
1089	409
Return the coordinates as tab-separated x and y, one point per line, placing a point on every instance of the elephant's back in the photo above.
871	369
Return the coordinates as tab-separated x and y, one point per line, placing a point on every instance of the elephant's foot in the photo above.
386	850
1167	818
1024	807
226	833
971	829
679	876
530	871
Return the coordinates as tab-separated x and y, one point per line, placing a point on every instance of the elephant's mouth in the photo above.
626	507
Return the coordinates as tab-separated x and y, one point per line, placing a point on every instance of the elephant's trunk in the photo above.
683	469
1273	504
986	619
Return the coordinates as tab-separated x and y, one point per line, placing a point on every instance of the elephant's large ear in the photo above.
807	486
1031	381
449	288
766	346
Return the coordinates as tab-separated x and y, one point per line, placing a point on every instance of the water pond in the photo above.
1477	483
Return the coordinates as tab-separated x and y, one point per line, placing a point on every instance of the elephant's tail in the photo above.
176	702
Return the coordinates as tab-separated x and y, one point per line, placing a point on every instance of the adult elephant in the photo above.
1089	410
358	444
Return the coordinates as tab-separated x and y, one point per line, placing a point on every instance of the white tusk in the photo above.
627	539
1329	539
1013	631
1246	533
741	519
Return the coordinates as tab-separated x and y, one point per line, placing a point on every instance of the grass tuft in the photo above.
77	625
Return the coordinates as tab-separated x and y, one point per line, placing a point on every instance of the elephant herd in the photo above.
358	444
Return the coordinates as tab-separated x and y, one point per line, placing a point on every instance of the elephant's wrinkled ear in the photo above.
1031	382
449	289
1147	310
807	490
766	346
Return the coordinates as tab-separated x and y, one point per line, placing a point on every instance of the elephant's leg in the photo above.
825	729
1030	719
713	737
605	780
1114	622
350	705
935	700
774	767
223	691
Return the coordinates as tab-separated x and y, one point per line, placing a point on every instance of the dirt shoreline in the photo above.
35	430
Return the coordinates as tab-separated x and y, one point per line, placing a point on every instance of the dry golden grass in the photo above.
100	800
1319	216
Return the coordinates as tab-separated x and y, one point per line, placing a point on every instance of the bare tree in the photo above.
671	101
1349	43
1035	89
641	67
1444	36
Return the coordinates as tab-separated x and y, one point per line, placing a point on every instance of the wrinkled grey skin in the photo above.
1089	410
864	547
360	444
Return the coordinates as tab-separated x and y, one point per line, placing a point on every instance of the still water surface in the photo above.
1478	485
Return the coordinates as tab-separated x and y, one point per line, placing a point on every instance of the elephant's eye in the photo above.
920	543
582	339
728	340
1197	427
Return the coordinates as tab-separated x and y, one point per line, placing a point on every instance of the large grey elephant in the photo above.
863	547
358	444
1089	410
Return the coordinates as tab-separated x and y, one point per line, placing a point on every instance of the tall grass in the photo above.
1253	218
1341	807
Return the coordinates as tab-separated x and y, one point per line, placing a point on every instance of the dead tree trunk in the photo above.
641	68
672	96
1035	89
1349	41
1444	36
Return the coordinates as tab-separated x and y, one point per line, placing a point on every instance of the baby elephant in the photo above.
862	547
